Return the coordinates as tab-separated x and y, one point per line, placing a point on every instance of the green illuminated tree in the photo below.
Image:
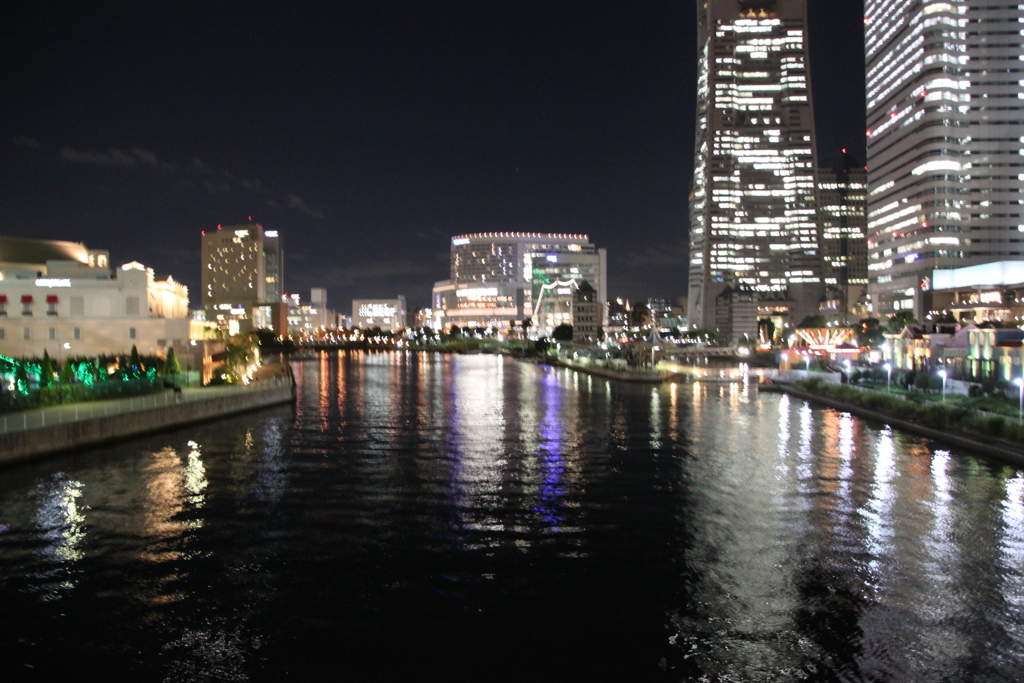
21	379
171	364
46	371
900	321
869	332
135	364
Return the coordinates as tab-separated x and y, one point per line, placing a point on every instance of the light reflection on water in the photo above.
419	513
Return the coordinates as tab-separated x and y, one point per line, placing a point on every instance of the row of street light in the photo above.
944	375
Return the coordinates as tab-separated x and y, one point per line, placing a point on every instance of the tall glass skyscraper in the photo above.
945	104
753	223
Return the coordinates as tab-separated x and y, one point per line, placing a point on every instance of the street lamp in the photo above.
942	374
888	381
1020	409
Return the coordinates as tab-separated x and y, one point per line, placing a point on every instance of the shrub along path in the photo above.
953	421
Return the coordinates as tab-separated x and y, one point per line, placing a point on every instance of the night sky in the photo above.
369	133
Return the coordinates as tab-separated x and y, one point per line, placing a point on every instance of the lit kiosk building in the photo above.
496	277
842	191
945	103
242	272
62	297
753	209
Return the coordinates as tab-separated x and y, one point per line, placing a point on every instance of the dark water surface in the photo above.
473	518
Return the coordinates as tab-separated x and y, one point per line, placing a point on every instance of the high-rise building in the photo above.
496	277
753	222
842	191
236	287
944	106
273	266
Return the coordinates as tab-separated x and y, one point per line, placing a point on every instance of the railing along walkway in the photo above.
40	418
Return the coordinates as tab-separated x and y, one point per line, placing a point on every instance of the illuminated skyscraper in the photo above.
842	191
242	267
273	266
753	217
945	101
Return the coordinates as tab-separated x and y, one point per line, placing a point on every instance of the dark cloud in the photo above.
254	186
24	141
116	158
111	158
299	204
201	176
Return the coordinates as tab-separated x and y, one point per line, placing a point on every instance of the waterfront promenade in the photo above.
42	431
988	446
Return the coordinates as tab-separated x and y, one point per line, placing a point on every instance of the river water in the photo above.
473	518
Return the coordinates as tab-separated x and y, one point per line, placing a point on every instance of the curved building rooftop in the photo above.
33	254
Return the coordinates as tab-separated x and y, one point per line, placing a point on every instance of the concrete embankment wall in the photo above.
25	445
975	443
609	373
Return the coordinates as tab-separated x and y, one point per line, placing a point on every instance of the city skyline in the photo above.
368	136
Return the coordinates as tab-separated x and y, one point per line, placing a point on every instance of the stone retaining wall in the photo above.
24	445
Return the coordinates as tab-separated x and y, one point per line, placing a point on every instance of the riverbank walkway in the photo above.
998	449
43	431
40	418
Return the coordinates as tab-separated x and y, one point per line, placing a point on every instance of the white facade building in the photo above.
387	314
496	277
74	305
753	222
945	101
309	320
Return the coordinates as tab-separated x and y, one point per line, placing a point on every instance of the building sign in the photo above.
52	282
476	292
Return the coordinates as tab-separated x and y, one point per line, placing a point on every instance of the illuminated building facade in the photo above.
387	314
63	298
569	302
753	215
496	278
273	265
842	191
944	104
312	319
242	272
